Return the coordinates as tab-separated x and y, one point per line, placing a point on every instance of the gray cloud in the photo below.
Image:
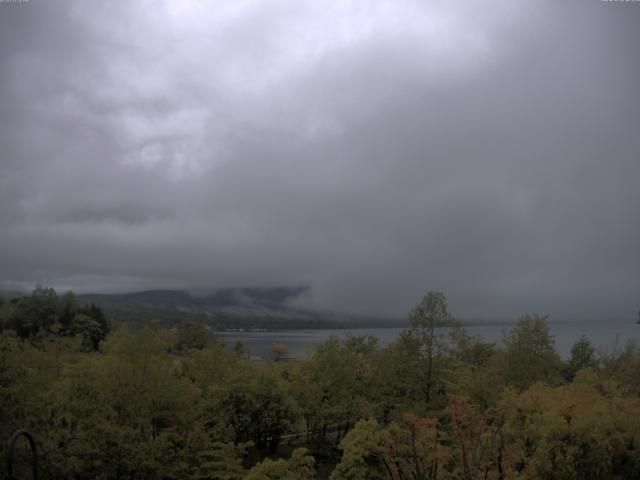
370	150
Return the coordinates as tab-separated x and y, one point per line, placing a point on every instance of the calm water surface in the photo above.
607	337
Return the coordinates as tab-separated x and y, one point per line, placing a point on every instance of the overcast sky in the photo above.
369	149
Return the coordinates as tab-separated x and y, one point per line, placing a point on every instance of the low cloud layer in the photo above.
370	150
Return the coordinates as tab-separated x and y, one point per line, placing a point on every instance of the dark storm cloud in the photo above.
370	150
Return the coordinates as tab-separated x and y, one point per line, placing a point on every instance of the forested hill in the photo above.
224	297
226	308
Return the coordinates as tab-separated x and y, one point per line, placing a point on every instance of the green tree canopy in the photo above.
530	353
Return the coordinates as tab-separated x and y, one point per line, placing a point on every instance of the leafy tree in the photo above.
45	314
193	336
299	467
411	449
35	314
130	409
583	355
624	367
574	431
530	354
97	314
256	405
393	385
223	461
7	314
321	386
427	343
363	451
67	309
333	387
88	328
417	449
475	440
474	369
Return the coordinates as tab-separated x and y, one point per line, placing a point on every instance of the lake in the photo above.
607	337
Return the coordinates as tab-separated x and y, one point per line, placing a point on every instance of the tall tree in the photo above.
428	341
583	355
530	353
299	467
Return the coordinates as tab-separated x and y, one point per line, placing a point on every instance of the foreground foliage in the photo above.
435	404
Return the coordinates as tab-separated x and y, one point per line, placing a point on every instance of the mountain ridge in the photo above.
226	308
